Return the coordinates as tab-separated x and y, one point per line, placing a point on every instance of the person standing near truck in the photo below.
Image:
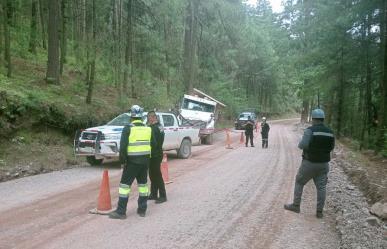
156	178
249	131
135	152
265	128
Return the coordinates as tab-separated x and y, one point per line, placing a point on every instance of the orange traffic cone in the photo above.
104	199
164	169
228	140
242	140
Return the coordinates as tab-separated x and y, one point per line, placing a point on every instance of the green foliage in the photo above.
242	59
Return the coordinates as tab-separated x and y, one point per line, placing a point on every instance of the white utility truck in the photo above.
200	110
103	142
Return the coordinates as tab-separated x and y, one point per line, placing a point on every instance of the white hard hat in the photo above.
136	111
263	118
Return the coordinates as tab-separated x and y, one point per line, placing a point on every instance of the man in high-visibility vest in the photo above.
135	151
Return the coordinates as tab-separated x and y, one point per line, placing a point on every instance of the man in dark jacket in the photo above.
317	143
135	151
265	128
157	182
249	128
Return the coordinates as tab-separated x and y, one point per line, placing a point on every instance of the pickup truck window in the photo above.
121	120
168	120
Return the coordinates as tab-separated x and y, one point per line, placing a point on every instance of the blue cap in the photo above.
318	113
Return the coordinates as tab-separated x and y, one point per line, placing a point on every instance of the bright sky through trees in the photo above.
276	4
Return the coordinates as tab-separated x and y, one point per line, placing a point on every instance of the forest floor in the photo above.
38	120
365	169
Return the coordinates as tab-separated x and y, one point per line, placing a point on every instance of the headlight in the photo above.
112	136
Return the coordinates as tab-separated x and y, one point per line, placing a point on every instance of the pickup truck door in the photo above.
171	129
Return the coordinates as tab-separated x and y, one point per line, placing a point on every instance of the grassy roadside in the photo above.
38	120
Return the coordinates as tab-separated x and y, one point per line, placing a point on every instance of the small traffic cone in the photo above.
104	199
164	169
242	140
228	140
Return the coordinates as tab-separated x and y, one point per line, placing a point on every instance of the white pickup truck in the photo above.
103	142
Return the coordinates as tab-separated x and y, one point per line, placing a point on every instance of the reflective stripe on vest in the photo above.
323	134
143	189
124	190
139	140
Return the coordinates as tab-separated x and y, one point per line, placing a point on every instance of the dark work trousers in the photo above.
249	135
138	171
319	173
157	181
265	140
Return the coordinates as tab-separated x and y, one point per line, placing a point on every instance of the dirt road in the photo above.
219	198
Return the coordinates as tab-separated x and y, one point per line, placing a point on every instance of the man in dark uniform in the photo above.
249	128
317	143
265	128
135	150
157	182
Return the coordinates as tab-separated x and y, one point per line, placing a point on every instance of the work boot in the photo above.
152	197
161	200
252	145
116	215
141	213
292	207
319	214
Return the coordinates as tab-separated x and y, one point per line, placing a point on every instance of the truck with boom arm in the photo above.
202	111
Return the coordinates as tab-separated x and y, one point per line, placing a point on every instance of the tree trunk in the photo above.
52	75
42	23
91	61
33	30
190	43
362	112
63	35
114	46
78	31
128	48
1	27
7	36
369	110
340	104
166	53
305	111
382	124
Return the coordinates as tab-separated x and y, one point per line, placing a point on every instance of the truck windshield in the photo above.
121	120
193	105
246	115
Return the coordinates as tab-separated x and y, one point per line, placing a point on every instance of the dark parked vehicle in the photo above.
242	120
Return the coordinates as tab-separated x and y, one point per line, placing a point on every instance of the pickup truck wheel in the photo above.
185	149
93	161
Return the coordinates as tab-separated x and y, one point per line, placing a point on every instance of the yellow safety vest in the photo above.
139	140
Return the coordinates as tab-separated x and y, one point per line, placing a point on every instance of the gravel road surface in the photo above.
219	198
